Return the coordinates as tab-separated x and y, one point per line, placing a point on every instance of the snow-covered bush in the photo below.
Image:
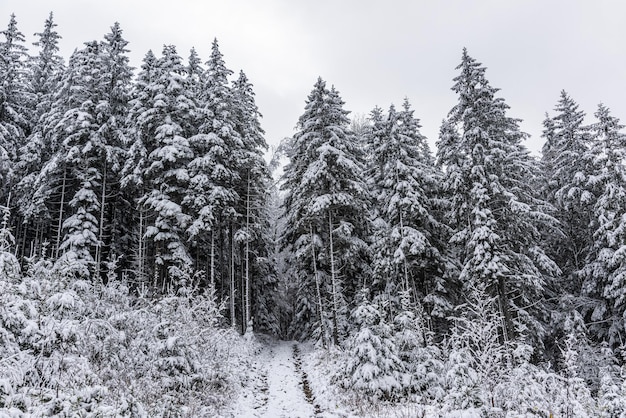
422	367
69	347
372	363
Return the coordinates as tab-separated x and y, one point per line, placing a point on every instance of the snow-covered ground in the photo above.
274	386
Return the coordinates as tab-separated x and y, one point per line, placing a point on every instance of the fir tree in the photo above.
83	149
565	171
16	101
373	365
139	143
404	182
114	205
497	216
163	112
604	272
46	69
254	190
326	197
212	197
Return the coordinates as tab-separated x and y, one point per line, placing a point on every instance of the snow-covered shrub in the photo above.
422	367
611	397
461	381
372	363
9	266
477	359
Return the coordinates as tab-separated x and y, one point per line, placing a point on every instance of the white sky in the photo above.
374	53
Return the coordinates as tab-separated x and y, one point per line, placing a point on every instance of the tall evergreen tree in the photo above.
212	198
604	274
16	101
260	283
495	212
46	69
325	200
163	113
566	170
114	205
82	151
405	181
139	143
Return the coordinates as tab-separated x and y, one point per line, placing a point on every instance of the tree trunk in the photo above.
247	261
333	280
61	207
212	267
320	307
101	225
233	319
504	310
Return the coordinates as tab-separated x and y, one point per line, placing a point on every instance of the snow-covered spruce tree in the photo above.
565	171
325	202
260	281
494	211
16	101
574	398
604	274
163	114
45	72
373	366
82	152
212	199
115	226
195	74
406	237
421	363
92	147
139	143
611	397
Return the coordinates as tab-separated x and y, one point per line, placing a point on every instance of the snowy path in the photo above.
276	387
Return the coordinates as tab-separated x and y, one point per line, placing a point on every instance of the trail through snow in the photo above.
276	385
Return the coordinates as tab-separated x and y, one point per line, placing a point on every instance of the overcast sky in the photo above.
373	52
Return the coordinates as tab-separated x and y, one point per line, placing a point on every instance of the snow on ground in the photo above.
274	386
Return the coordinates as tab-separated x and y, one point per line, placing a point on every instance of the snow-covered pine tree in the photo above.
195	73
83	152
373	366
260	282
139	143
45	72
494	211
604	274
212	198
566	169
164	114
114	223
16	101
326	197
404	181
45	67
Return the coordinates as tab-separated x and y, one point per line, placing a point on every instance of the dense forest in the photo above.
145	237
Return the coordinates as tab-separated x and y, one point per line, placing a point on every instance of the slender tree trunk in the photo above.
141	251
61	207
504	310
232	278
247	261
405	282
212	267
320	307
101	225
333	280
